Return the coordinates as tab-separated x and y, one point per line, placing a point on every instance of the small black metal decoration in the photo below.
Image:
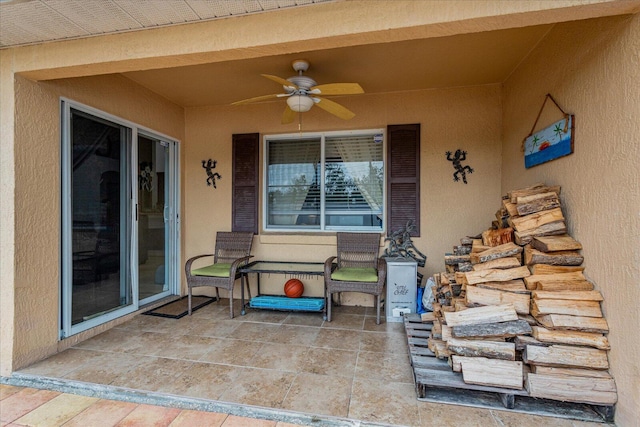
145	178
209	165
459	157
401	246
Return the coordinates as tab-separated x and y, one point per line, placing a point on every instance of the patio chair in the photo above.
357	268
233	250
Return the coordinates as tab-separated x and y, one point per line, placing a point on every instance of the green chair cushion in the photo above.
213	270
355	274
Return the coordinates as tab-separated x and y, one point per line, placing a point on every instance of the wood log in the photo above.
502	251
455	363
462	249
575	372
528	199
564	258
478	246
516	286
499	329
566	356
531	282
446	278
550	201
482	315
446	333
481	348
466	241
500	263
465	266
568	307
528	318
567	388
459	304
578	285
552	269
523	340
563	242
536	220
481	296
494	275
573	323
569	295
492	372
439	348
428	317
511	208
588	339
553	228
497	237
534	189
452	259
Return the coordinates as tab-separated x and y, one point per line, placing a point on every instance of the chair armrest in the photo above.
382	270
328	267
237	263
187	265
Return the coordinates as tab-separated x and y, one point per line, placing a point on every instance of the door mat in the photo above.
179	308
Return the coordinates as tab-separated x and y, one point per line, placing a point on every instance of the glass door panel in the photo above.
99	212
153	217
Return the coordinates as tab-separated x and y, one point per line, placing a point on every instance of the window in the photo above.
327	181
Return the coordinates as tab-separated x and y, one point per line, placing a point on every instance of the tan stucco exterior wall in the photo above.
465	118
592	68
37	192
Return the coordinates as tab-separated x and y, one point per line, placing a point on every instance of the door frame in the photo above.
65	283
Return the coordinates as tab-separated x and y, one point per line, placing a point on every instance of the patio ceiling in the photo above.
461	60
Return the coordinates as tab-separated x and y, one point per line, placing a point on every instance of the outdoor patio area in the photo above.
292	366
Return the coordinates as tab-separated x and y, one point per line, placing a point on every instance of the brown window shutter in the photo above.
245	182
403	177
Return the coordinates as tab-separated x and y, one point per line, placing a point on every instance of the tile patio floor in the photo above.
293	365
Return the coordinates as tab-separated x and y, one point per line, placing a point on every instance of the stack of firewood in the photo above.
514	306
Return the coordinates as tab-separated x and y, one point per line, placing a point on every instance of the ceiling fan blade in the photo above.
337	89
288	116
256	99
283	82
335	108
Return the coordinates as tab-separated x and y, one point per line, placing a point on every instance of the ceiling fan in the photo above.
302	93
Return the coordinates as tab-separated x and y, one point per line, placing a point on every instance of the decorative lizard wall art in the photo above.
208	166
459	157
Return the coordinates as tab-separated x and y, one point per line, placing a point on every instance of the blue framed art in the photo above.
550	143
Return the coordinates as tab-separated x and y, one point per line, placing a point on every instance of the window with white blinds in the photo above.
327	181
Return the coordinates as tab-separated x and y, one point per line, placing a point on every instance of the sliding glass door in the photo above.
119	222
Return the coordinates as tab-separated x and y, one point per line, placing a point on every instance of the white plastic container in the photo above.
401	288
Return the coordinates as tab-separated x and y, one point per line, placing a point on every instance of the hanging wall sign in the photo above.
209	166
551	142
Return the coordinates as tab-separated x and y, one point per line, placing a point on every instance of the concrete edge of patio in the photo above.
180	402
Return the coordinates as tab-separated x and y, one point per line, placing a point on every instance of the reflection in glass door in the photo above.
96	213
153	217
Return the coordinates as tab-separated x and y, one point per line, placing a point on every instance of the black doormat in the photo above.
179	308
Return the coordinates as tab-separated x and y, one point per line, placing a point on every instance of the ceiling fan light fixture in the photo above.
300	103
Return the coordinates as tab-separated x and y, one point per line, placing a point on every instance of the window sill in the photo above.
276	238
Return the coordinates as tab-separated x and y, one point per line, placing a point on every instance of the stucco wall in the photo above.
465	118
592	68
37	191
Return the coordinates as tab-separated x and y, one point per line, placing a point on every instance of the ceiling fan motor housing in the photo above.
303	82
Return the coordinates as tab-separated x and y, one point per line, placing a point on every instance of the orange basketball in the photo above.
293	288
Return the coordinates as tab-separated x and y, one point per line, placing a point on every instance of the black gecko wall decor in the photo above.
209	166
457	159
